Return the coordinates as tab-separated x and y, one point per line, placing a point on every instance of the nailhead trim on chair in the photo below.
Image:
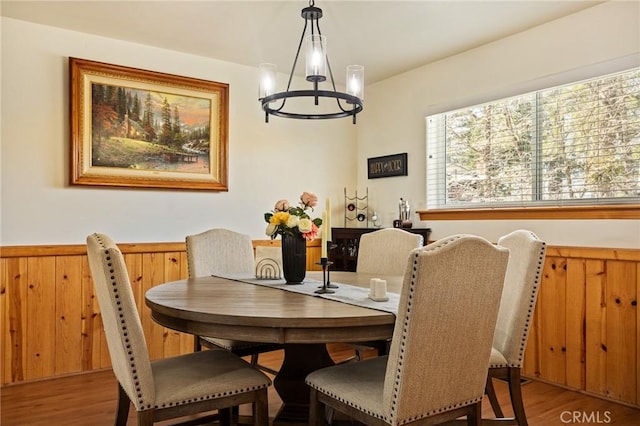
132	365
387	419
440	410
532	304
349	403
188	266
403	339
207	397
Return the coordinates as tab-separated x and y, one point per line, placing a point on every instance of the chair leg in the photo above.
224	416
382	347
145	418
261	409
122	410
197	346
515	391
493	398
474	418
316	409
329	412
254	360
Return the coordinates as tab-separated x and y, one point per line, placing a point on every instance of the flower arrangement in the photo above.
292	220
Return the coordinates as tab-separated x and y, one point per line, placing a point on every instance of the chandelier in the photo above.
348	103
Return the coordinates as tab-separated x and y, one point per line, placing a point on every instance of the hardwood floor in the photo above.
90	400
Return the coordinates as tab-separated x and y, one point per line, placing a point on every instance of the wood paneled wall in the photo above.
586	327
585	332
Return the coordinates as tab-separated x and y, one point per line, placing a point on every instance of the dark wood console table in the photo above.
345	255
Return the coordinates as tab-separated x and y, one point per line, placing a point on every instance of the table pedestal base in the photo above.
299	361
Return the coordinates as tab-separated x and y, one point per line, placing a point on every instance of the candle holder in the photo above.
330	246
325	272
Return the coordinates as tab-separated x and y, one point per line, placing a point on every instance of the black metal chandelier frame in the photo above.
354	104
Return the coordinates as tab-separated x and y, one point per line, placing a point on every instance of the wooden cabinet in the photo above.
347	240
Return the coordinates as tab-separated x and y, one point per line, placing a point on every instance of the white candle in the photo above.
372	286
380	288
328	219
323	234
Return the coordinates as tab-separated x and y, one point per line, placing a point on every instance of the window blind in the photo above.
572	144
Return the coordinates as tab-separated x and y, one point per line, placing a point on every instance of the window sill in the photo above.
631	211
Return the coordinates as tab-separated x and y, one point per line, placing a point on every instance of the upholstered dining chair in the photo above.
527	255
385	251
171	387
436	369
223	251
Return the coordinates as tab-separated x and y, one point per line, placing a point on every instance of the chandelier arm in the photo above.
326	57
295	60
333	83
284	101
341	107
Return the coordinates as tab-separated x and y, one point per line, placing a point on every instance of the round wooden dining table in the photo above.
224	308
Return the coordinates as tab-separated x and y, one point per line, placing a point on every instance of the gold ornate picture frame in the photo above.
137	128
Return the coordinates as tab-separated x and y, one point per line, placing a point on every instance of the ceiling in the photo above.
387	37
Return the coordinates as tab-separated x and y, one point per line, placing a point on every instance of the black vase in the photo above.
294	258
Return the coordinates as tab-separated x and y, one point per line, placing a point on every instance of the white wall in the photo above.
601	39
267	162
285	157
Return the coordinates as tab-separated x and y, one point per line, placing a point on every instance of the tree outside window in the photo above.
574	144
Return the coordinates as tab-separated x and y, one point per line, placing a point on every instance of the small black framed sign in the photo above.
386	166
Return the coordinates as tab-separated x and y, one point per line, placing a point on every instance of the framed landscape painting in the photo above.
137	128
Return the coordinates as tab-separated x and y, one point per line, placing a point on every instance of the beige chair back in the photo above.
527	254
123	329
385	251
219	251
444	328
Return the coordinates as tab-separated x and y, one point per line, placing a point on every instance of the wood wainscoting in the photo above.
585	333
586	328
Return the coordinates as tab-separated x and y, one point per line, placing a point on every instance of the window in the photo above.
577	144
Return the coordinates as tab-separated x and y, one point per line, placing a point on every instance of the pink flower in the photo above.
282	205
309	199
311	235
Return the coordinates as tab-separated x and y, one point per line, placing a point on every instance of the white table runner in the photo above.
345	293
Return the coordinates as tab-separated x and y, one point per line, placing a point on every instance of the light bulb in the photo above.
355	81
354	86
316	61
316	51
267	84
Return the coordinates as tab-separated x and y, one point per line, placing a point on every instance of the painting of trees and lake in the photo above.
137	128
149	130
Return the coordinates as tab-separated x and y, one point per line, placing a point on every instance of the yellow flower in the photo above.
279	218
